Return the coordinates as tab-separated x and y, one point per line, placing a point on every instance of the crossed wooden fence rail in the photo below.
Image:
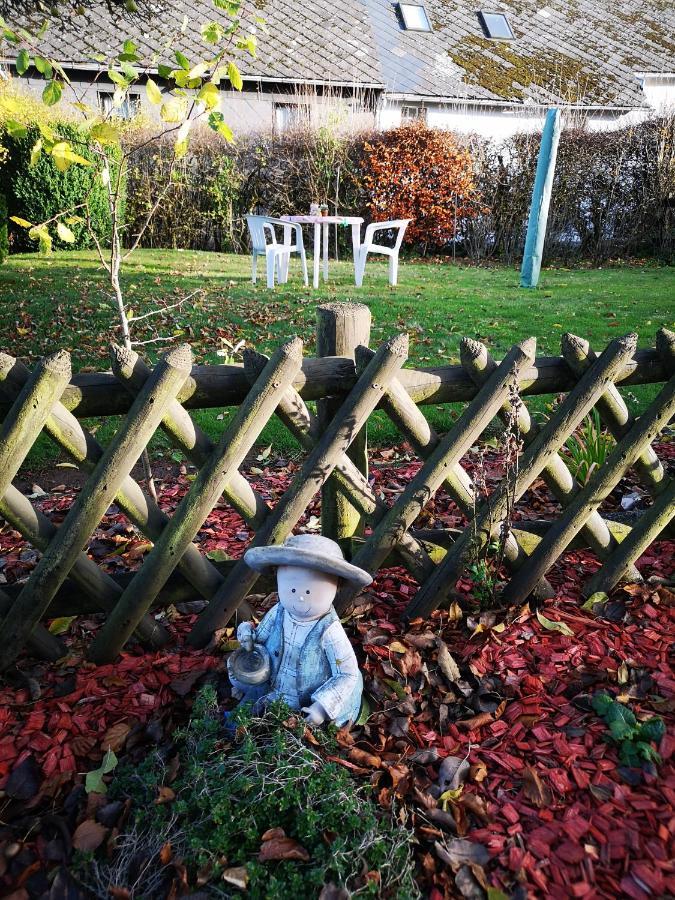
336	464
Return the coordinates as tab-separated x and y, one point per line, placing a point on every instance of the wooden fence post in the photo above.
446	455
228	455
92	501
340	329
352	415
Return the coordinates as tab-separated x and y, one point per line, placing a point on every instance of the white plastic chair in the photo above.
369	247
276	255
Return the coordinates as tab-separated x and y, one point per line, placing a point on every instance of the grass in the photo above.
62	301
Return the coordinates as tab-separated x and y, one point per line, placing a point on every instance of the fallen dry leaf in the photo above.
237	876
115	737
282	848
166	854
165	795
273	833
363	758
89	835
446	663
534	788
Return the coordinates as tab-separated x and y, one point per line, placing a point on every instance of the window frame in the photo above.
482	13
132	101
401	7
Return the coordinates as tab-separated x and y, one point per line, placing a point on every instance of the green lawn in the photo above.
62	302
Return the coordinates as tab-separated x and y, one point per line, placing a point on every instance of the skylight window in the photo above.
414	17
496	26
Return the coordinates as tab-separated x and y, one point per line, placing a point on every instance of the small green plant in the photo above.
589	447
235	784
634	739
484	581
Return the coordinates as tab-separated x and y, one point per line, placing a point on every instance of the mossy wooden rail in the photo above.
350	387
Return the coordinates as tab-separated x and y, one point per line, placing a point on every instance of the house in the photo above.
489	67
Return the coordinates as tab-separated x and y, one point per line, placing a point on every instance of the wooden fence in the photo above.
349	381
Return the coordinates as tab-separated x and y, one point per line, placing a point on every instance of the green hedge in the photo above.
39	192
4	237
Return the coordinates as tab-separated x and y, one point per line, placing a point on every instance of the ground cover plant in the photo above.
254	805
483	731
63	301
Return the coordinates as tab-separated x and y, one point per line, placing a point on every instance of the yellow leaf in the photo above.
398	647
153	92
60	625
65	233
451	796
198	70
24	223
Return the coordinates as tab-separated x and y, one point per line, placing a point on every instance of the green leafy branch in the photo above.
634	739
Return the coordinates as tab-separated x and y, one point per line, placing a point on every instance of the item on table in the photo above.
324	209
314	209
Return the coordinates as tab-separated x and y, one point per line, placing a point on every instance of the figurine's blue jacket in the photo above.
319	675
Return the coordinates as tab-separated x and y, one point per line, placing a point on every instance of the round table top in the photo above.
325	220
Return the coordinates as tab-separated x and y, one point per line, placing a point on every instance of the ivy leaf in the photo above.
213	32
24	223
209	95
43	66
550	625
173	110
234	75
217	123
52	92
16	129
182	60
153	92
105	133
22	62
65	233
64	156
61	625
94	783
198	70
231	7
652	730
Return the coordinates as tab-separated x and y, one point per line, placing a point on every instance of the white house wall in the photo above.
496	122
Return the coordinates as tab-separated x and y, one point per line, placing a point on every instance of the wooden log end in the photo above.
628	342
341	310
529	347
398	345
7	363
122	360
574	347
472	353
59	364
665	341
362	356
292	348
179	358
254	362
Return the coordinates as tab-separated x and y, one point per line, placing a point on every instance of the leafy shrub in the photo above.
230	790
38	192
633	738
420	173
4	238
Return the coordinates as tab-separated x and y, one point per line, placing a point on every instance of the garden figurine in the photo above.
300	652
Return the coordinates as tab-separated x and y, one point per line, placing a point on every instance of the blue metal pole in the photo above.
541	199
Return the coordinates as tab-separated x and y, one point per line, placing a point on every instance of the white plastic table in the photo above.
321	227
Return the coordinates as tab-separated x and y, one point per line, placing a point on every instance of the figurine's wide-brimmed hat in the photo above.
309	551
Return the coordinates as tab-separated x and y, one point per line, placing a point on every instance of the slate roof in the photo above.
582	52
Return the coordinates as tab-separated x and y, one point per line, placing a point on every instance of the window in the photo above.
495	25
290	115
130	107
414	17
410	113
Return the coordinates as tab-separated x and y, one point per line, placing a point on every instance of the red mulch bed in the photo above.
547	796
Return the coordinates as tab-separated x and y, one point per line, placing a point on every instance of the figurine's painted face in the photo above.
305	593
